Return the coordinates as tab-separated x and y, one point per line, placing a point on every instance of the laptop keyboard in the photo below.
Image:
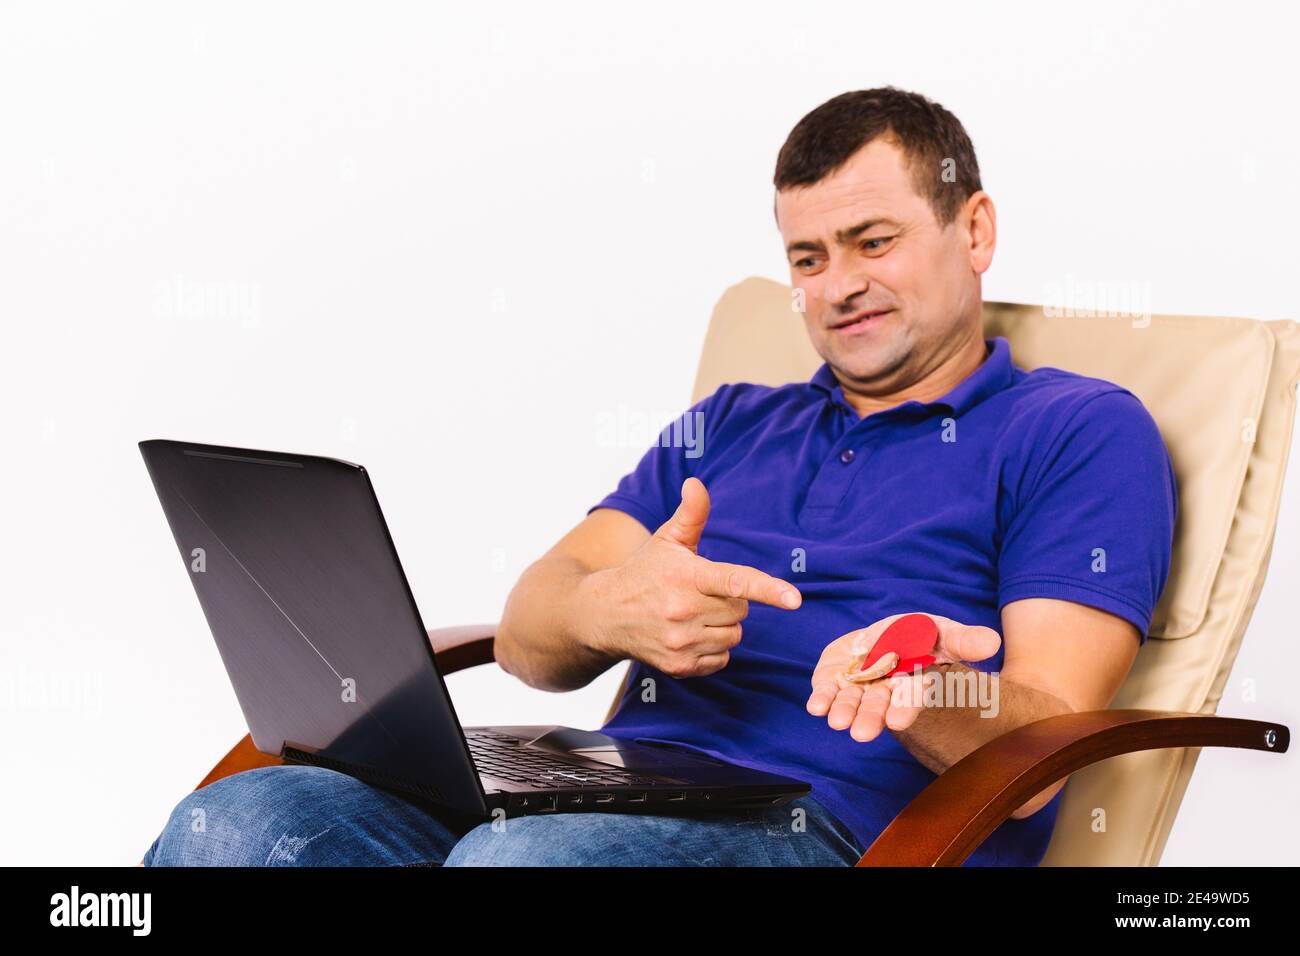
505	757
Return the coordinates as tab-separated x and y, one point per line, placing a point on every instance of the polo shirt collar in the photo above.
993	375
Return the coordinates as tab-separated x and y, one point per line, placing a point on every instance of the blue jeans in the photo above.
294	815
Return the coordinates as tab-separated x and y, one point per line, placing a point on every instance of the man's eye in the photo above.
802	263
872	245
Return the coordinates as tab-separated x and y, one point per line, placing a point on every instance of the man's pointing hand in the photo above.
674	610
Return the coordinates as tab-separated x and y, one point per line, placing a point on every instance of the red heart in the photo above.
912	637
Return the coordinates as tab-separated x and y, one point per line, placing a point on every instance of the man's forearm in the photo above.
547	628
942	735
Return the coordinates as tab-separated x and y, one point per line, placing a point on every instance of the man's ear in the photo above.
981	225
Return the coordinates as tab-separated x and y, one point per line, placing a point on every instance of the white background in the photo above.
445	240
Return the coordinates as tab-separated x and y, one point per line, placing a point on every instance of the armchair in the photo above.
1229	444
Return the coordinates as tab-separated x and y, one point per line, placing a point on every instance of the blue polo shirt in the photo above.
1013	485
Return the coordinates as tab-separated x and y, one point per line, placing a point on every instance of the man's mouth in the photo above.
855	322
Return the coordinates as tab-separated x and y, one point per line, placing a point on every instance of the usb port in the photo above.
677	796
636	798
573	799
604	798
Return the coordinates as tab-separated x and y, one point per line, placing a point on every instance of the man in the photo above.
919	470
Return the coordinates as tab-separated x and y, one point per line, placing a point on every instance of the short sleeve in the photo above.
1094	519
652	491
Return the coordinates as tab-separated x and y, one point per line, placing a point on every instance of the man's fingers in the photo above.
870	718
844	708
723	612
823	695
710	663
709	651
906	697
720	579
720	638
687	523
963	642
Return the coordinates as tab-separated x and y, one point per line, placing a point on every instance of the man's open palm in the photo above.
867	709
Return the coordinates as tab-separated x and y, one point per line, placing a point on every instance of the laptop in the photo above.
302	589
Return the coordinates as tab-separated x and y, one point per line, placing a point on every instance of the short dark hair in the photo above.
928	134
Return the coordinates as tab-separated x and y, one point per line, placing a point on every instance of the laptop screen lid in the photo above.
302	589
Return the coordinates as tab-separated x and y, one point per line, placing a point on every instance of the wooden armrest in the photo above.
949	819
456	649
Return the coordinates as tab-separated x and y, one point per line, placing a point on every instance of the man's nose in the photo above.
845	281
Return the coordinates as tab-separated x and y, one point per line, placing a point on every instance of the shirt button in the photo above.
847	455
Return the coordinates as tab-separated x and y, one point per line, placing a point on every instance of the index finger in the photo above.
720	579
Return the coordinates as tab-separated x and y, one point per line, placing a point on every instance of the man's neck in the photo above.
941	380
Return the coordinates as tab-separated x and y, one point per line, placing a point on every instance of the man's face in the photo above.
863	242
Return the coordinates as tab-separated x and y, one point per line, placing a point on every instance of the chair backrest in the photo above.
1222	391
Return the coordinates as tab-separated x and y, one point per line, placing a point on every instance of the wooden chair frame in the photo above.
957	812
